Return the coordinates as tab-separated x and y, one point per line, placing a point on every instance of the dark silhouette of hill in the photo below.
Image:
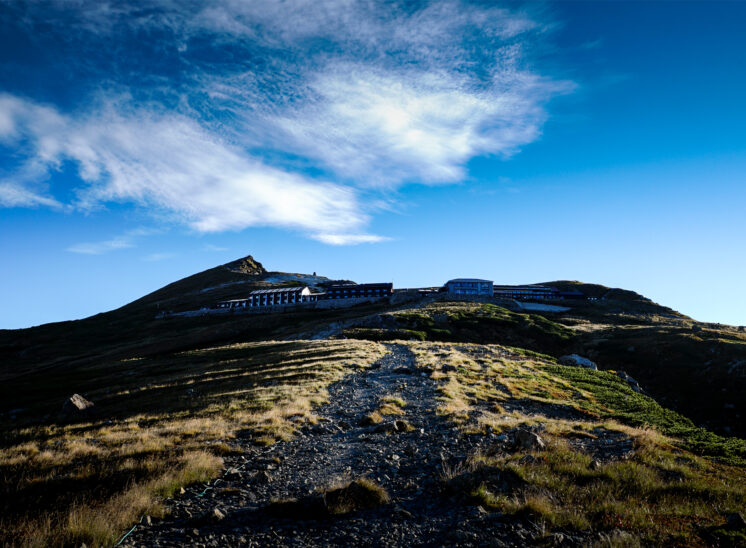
698	369
463	415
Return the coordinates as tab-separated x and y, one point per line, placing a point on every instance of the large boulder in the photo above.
577	361
76	406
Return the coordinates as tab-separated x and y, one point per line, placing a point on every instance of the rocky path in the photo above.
237	509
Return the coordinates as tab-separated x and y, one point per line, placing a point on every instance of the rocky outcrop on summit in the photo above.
247	265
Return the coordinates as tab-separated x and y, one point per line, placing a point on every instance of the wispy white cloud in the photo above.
172	162
125	241
370	95
154	257
99	248
349	239
394	95
385	128
211	247
18	195
417	29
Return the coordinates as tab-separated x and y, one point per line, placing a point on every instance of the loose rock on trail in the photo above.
272	496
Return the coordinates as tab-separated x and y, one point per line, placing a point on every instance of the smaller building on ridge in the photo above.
353	291
526	292
469	286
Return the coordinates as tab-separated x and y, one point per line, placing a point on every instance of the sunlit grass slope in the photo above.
162	423
698	369
673	487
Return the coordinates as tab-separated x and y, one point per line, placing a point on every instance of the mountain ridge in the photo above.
470	396
664	342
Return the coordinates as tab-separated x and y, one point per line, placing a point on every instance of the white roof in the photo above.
279	290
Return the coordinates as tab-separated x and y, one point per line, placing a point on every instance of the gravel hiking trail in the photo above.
340	448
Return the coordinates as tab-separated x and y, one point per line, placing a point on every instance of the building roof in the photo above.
468	280
275	291
372	284
519	287
294	289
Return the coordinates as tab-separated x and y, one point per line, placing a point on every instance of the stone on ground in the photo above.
633	384
531	441
77	406
577	361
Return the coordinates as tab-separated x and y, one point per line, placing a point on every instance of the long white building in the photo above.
272	297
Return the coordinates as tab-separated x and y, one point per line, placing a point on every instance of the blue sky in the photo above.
407	142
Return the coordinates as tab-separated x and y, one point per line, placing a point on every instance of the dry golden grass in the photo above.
371	418
662	494
87	481
391	404
101	523
341	497
470	375
356	495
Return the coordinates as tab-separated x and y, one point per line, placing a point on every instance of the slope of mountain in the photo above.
698	369
432	421
134	328
617	299
227	281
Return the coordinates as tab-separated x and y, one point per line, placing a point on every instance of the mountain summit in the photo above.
247	265
419	418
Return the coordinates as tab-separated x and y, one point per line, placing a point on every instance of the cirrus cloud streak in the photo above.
169	161
292	115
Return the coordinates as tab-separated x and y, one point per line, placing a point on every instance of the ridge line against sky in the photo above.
404	141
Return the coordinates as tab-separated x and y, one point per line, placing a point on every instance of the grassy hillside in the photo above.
172	395
135	330
160	423
617	299
167	421
613	458
697	369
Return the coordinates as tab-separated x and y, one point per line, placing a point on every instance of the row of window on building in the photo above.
350	291
475	286
458	286
298	295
